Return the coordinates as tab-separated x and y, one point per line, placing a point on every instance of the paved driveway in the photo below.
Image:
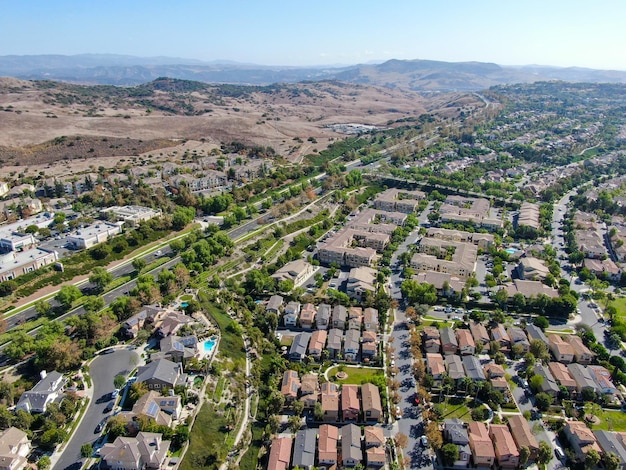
103	370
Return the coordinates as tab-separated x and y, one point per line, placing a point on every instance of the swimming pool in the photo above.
184	304
510	250
209	345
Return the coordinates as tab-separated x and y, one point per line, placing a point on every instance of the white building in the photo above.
132	215
92	235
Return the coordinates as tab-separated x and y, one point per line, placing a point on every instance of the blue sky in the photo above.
507	32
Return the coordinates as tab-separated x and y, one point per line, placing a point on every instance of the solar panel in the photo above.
153	409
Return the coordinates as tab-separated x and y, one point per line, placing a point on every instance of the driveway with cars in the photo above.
103	370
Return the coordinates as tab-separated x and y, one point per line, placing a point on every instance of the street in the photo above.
103	370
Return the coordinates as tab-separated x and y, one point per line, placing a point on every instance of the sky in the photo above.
323	32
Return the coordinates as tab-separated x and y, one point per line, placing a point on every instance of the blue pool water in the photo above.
184	304
209	344
510	250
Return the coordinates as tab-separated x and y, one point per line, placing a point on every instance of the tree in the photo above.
434	435
7	287
611	461
535	382
93	303
539	349
401	440
43	463
42	307
524	455
517	350
139	264
67	295
294	423
592	459
544	455
318	412
298	407
449	454
86	450
543	401
119	381
501	297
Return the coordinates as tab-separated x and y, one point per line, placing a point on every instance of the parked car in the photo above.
424	441
109	407
101	425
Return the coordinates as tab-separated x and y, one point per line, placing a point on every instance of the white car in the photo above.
424	441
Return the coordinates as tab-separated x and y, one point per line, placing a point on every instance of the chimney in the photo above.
43	374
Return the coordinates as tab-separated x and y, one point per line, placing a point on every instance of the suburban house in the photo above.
495	374
350	404
582	353
280	453
14	448
161	374
612	443
523	435
532	269
172	322
455	432
370	319
454	366
339	317
297	271
479	332
179	348
274	304
473	368
322	320
499	334
292	312
507	454
536	333
603	379
355	318
329	398
517	336
466	342
304	449
431	339
147	450
562	376
351	345
317	343
149	314
480	444
581	438
327	446
369	345
299	347
290	386
582	376
449	344
361	280
548	385
370	399
47	390
561	350
309	390
374	446
335	338
435	366
162	409
351	453
307	316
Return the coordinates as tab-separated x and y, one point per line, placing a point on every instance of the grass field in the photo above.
611	421
455	408
206	439
620	306
356	375
231	342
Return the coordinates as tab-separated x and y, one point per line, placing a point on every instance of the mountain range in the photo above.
416	75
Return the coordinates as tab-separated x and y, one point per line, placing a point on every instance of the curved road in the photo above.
103	370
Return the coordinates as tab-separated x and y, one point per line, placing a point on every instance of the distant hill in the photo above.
416	75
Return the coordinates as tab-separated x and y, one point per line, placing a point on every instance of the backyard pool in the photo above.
510	250
209	345
184	304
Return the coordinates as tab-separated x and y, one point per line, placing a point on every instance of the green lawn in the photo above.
356	375
611	421
455	408
231	342
206	441
620	306
250	459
